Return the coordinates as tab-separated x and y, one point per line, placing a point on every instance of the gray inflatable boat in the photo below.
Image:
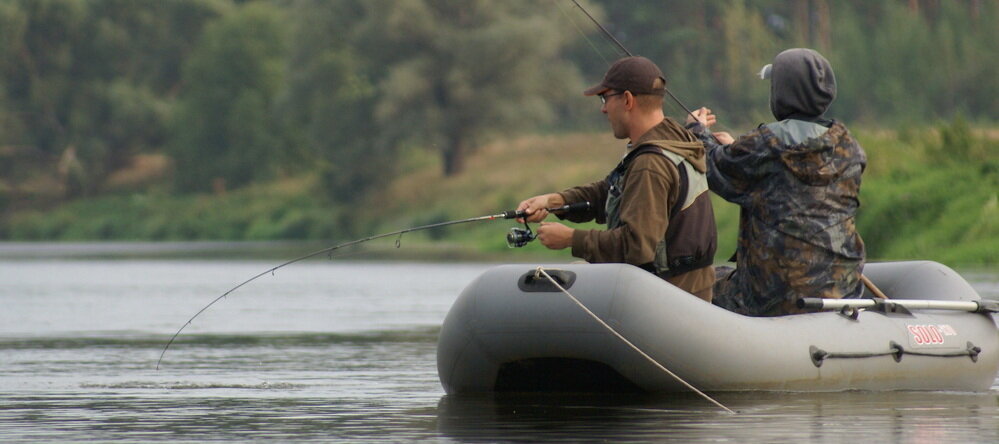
512	330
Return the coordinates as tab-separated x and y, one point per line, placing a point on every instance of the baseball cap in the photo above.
636	74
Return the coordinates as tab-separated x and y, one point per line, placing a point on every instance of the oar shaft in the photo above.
874	288
983	306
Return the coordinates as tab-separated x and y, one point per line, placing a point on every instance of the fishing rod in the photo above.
517	237
610	36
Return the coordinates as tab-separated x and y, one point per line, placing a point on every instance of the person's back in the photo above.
797	181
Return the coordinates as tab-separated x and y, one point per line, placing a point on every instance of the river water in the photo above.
345	351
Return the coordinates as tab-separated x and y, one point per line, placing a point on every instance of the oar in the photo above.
874	288
981	306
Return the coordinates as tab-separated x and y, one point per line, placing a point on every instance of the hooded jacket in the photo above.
797	182
655	218
802	85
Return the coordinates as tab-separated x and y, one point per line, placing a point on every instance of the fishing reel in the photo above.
518	237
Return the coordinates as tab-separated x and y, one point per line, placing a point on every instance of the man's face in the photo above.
613	107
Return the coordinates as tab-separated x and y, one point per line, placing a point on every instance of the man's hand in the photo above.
723	138
555	235
536	207
702	115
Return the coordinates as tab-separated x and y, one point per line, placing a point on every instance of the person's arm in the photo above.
699	121
595	193
537	207
734	165
643	216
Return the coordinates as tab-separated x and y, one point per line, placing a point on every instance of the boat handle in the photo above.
530	283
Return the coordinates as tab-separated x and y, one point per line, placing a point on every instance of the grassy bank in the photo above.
927	194
933	195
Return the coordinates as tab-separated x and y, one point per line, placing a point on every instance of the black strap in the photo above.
622	166
682	194
684	185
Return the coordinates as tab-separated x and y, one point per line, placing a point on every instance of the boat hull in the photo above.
509	331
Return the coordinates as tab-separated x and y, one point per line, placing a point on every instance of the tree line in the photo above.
236	92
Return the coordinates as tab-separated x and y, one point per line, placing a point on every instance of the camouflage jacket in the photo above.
797	184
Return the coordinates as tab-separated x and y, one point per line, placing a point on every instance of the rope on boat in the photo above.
541	272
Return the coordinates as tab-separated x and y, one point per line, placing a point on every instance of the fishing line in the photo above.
602	29
541	272
611	37
580	31
510	214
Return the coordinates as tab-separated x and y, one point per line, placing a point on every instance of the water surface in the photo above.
335	350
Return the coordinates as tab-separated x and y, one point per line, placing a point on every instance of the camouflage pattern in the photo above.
798	199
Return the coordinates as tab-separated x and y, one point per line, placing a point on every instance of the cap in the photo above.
635	74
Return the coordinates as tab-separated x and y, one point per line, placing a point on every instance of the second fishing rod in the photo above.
516	237
628	53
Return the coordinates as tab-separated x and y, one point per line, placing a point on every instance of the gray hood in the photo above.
802	85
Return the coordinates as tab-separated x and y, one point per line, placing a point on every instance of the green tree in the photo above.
225	131
746	46
469	71
373	76
90	81
330	96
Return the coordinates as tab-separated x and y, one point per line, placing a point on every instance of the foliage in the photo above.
895	61
284	211
470	71
373	79
90	81
330	96
946	209
226	131
358	95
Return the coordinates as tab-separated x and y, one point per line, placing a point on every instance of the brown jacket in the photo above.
651	190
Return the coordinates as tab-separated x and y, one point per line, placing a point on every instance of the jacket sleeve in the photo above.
734	169
643	212
594	193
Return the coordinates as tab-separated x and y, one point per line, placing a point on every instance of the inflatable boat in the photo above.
513	329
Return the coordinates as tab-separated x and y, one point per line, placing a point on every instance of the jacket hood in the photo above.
821	160
802	85
670	135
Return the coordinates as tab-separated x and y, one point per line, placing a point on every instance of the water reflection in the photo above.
761	417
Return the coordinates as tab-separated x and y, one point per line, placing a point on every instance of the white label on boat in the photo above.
933	334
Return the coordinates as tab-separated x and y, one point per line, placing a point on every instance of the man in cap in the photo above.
797	182
655	202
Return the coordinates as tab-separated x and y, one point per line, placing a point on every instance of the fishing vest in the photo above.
690	239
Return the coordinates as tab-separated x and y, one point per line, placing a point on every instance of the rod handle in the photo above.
571	208
513	214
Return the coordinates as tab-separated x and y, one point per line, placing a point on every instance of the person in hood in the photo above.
655	202
797	182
